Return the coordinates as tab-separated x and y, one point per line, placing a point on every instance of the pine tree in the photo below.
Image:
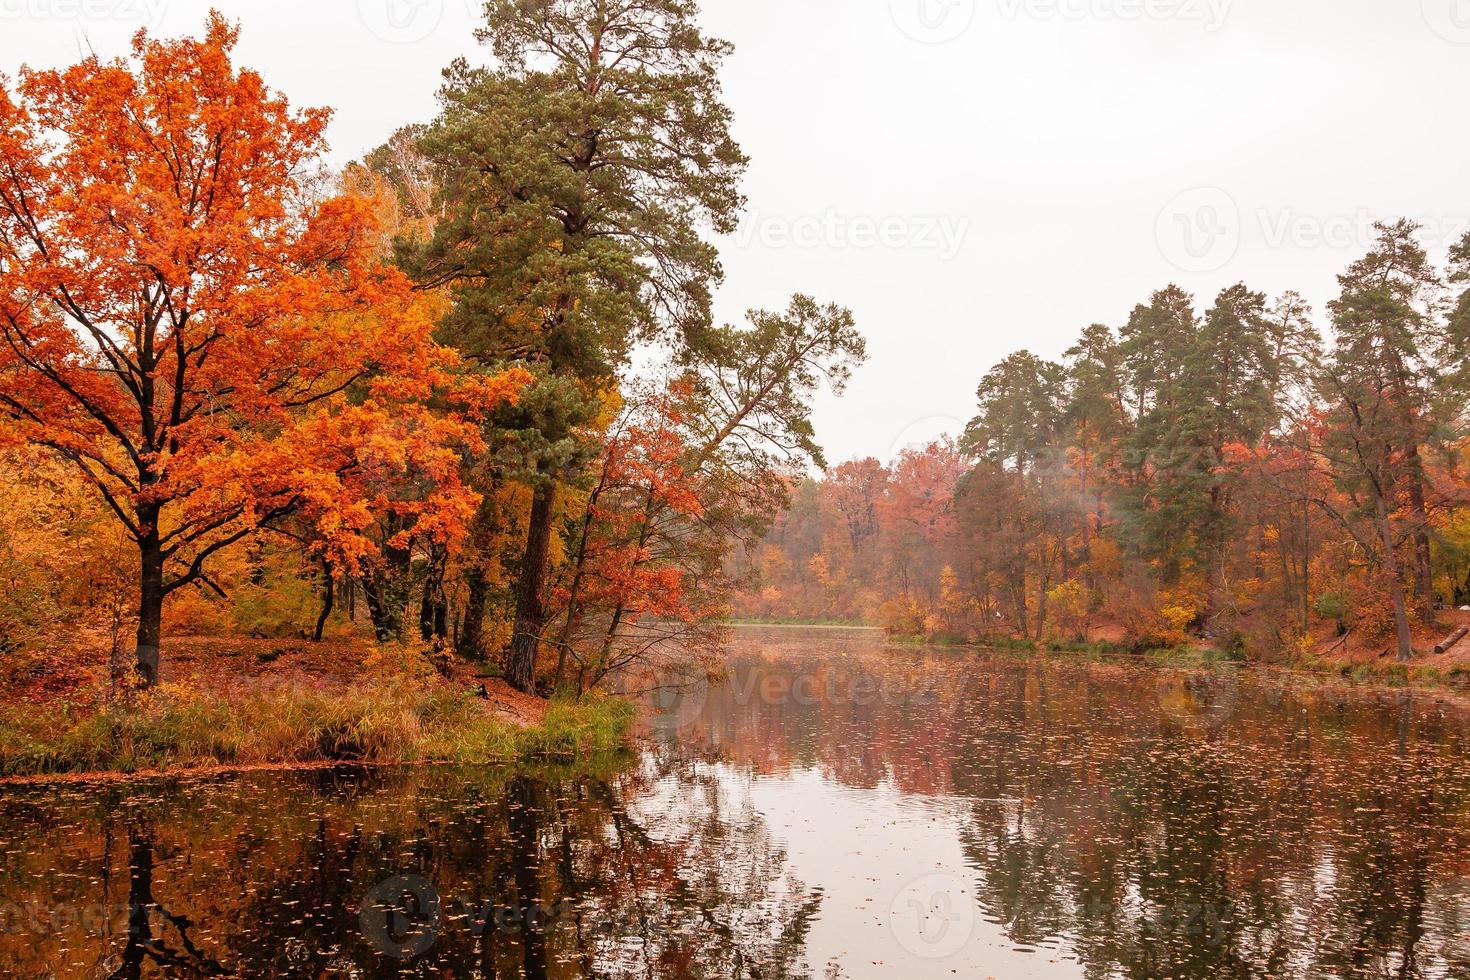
1389	330
1022	410
574	182
1227	401
1159	343
1098	421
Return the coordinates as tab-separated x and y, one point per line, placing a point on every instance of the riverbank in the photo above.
240	703
825	624
1353	657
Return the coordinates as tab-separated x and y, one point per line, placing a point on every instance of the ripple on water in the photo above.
837	809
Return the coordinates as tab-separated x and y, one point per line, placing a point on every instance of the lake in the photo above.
839	807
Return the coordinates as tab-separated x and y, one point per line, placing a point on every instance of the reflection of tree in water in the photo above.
1156	824
1117	815
548	874
147	943
720	903
1152	849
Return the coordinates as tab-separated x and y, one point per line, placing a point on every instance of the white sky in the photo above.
969	176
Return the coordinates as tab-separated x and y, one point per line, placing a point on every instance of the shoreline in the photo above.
255	724
1421	675
1344	674
205	773
756	624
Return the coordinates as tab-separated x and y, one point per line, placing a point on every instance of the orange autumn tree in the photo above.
646	570
189	319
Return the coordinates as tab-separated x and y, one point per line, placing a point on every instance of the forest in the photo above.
243	394
440	533
1250	475
462	409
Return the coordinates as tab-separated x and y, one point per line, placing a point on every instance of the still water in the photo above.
838	808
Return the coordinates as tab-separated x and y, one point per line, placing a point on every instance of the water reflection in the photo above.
838	809
649	869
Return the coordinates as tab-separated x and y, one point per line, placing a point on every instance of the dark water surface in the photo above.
838	809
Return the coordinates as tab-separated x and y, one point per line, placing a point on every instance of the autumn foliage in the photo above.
195	320
1222	477
467	397
250	396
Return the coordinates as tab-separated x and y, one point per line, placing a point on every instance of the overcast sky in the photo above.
969	176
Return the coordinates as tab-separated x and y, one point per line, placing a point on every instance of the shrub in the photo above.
1071	604
903	617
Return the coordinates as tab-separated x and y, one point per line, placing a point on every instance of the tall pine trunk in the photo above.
1423	559
1393	569
525	643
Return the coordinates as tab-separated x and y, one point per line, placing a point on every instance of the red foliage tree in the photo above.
186	316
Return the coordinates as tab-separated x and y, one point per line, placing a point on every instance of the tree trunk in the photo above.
434	609
150	600
1393	569
574	594
525	641
1212	552
386	622
471	644
1041	590
1451	641
1423	559
1306	568
441	619
386	591
471	641
328	600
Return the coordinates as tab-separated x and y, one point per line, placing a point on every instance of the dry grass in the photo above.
377	720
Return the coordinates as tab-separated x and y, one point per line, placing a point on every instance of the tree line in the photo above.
239	391
1221	472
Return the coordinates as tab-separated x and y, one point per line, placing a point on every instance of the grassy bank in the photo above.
1388	671
370	720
